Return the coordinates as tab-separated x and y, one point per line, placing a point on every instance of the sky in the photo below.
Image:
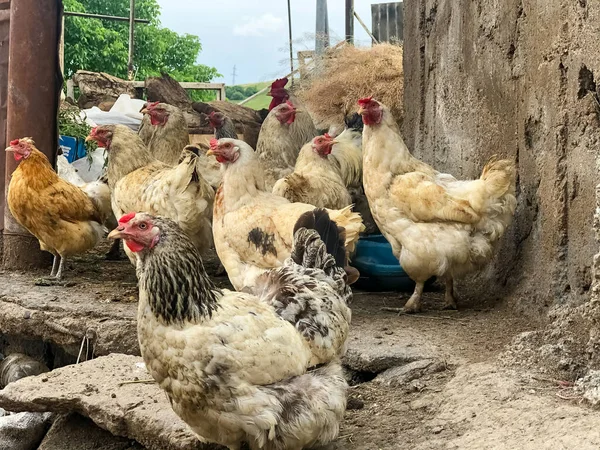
253	36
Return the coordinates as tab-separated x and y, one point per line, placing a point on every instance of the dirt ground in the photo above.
469	401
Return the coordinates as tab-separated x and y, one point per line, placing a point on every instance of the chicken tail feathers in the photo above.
500	176
330	234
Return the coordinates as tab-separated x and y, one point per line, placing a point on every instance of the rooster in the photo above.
164	130
437	225
232	369
253	228
223	125
98	191
59	214
316	179
139	182
280	140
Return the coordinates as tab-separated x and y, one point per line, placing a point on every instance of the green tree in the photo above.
102	45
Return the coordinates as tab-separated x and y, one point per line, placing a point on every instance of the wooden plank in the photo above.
400	21
391	24
185	85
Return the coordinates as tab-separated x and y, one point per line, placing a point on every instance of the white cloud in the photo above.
259	26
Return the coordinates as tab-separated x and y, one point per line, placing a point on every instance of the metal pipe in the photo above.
34	83
290	37
103	16
350	21
131	41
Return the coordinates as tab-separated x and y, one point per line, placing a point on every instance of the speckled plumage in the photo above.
233	370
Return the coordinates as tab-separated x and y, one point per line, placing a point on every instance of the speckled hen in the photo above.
233	370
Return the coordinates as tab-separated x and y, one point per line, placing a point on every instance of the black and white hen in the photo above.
233	370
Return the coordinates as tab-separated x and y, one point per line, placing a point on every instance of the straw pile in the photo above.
342	76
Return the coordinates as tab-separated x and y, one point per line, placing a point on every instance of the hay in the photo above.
342	76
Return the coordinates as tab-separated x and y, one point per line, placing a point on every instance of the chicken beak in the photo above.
361	110
210	153
334	142
89	138
117	233
144	111
10	149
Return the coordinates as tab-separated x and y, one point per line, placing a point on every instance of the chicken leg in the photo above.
413	305
60	268
55	264
449	296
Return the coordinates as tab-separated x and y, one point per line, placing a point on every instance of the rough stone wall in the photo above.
514	78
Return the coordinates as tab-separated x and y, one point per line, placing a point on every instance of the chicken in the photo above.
347	155
283	133
437	225
253	228
316	179
232	369
139	182
280	140
223	125
98	191
208	167
59	214
164	130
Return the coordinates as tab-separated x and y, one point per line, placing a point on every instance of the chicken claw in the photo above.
413	305
449	296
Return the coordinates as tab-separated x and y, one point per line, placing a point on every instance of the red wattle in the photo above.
134	246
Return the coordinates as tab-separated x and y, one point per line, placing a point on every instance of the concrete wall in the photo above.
514	78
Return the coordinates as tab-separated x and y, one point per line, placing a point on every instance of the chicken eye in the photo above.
143	226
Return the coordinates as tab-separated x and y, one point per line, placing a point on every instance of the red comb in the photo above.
279	83
365	101
214	143
152	104
290	104
14	142
126	218
212	114
327	136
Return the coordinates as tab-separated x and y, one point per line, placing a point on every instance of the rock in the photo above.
74	432
139	411
23	431
402	375
355	403
366	355
589	387
437	430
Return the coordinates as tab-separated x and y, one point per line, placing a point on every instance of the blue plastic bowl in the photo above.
379	268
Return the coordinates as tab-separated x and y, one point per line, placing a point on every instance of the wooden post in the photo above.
130	73
32	107
350	21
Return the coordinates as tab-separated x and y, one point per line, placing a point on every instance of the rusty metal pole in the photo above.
130	72
34	83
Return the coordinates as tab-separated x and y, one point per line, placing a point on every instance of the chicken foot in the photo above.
450	296
413	305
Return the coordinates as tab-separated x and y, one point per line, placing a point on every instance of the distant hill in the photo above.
239	92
